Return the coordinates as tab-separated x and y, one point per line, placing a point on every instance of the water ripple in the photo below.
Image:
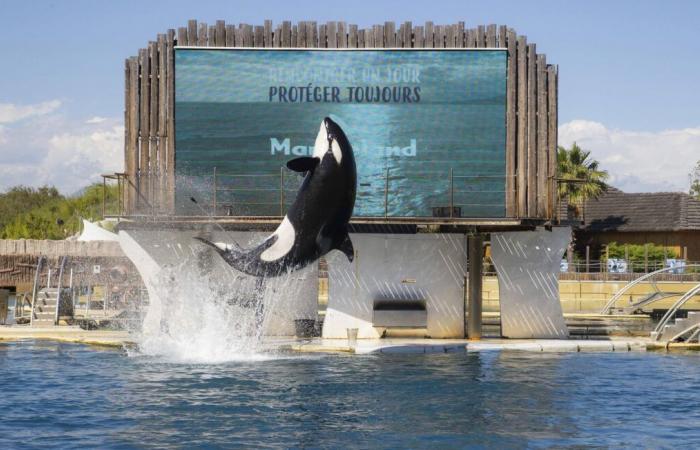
69	396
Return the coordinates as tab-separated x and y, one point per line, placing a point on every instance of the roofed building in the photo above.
670	219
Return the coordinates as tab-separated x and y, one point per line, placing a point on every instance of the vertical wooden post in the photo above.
552	120
192	38
521	50
162	121
144	122
511	125
153	123
128	160
475	258
685	253
588	258
531	131
170	121
542	141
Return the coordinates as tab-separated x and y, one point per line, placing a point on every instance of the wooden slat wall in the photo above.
531	100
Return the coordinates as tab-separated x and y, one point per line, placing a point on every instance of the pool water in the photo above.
67	395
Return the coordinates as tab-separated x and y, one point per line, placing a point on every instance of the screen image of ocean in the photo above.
417	154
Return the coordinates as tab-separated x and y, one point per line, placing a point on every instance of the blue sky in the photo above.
629	74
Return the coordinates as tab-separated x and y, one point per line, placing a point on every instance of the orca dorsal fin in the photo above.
303	164
345	246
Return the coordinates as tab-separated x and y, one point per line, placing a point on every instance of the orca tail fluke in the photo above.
218	249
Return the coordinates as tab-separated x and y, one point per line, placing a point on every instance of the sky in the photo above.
629	85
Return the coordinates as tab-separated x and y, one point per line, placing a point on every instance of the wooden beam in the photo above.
552	121
129	162
267	33
170	123
144	123
182	36
353	38
491	36
202	35
418	36
230	35
480	37
511	125
429	41
332	34
162	119
153	123
531	130
286	34
389	35
259	37
342	35
220	40
521	151
211	41
192	38
542	141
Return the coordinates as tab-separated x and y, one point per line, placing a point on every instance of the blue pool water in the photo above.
64	395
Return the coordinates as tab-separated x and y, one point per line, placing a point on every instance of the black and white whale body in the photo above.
317	221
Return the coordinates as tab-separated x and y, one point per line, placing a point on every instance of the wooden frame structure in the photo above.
531	99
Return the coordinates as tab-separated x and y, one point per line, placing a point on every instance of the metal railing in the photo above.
267	194
671	313
644	278
35	287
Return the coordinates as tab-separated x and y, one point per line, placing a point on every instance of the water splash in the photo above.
202	311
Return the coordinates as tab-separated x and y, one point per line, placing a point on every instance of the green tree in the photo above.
580	175
694	176
56	216
21	199
655	255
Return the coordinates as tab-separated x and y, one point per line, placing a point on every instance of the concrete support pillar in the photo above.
475	258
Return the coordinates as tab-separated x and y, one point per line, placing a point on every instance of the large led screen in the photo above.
427	128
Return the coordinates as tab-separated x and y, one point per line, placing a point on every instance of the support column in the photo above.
475	258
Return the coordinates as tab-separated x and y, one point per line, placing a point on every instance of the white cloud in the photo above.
95	119
638	161
10	113
48	148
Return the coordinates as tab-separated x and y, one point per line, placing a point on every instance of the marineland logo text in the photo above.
285	147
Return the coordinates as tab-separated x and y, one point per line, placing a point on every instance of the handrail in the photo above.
695	326
673	309
608	306
58	288
42	259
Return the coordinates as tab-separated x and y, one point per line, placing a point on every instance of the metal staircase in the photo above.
678	328
45	308
46	300
671	328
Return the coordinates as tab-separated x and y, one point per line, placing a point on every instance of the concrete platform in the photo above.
119	339
105	338
367	346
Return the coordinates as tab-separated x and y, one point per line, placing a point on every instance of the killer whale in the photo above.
317	221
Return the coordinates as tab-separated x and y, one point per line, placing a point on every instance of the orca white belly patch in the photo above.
285	241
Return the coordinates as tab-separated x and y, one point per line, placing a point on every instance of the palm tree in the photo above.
580	178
